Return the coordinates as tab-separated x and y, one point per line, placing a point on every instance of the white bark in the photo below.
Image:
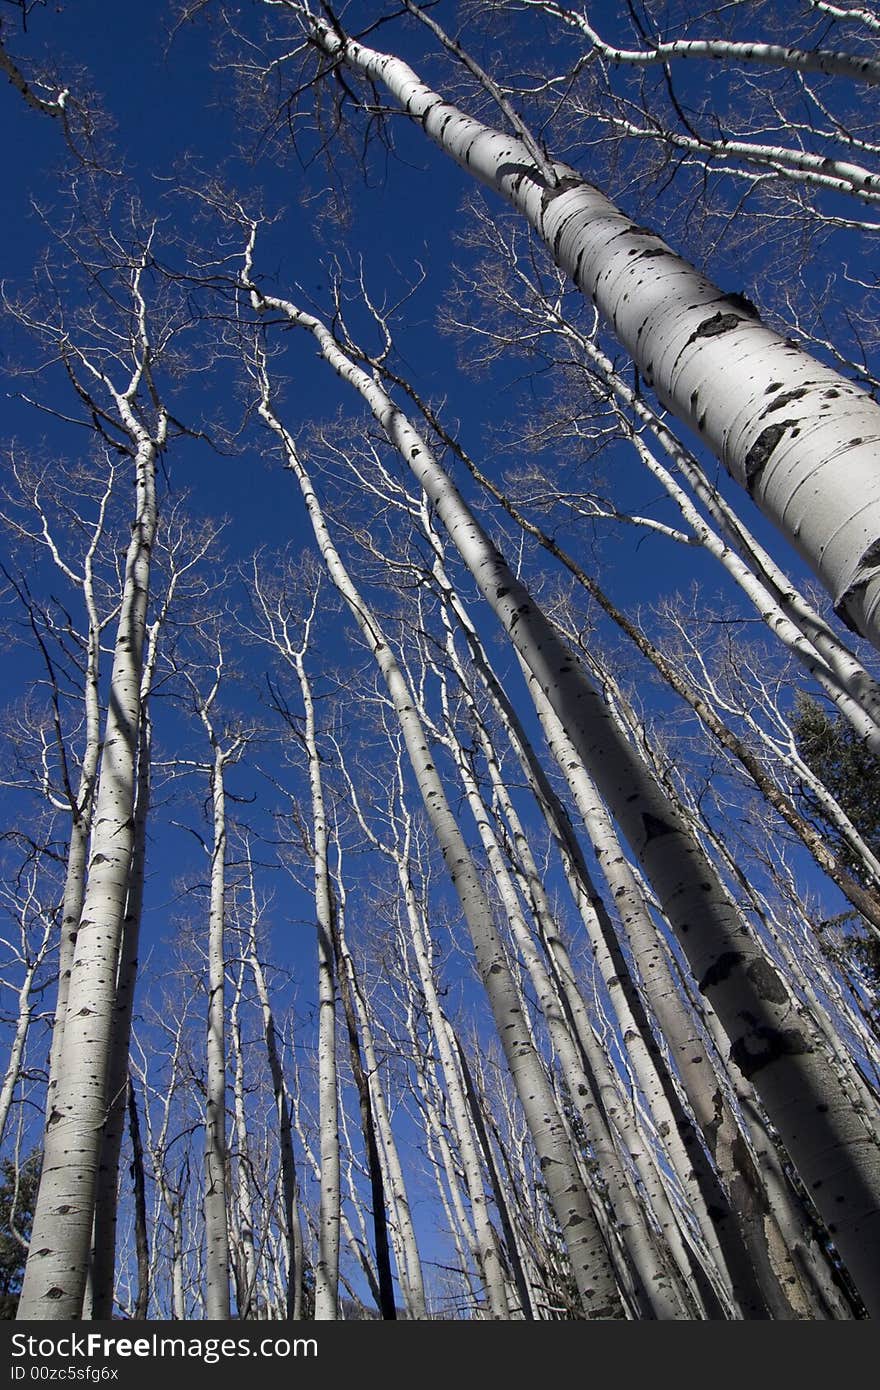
654	1293
799	437
327	1264
217	1305
409	1263
244	1260
31	954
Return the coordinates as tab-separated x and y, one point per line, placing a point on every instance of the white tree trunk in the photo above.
55	1275
217	1305
327	1264
798	436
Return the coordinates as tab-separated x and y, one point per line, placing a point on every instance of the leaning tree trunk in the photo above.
797	435
56	1271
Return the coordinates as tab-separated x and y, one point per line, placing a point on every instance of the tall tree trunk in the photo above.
217	1304
107	1189
290	1222
327	1266
55	1276
796	434
409	1265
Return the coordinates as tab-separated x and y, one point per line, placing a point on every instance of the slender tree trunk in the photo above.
217	1304
653	1293
327	1267
344	969
245	1262
80	824
484	1244
22	1027
410	1269
291	1225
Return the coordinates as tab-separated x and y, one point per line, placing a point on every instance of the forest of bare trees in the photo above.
440	718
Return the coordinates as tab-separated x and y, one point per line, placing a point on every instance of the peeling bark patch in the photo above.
777	1042
871	556
711	327
759	454
654	827
868	562
840	609
719	971
766	981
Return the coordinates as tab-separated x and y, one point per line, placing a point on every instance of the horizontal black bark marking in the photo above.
713	326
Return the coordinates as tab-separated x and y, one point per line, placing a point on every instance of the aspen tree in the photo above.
786	427
57	1265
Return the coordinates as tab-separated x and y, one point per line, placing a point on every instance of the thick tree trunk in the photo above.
798	436
107	1190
